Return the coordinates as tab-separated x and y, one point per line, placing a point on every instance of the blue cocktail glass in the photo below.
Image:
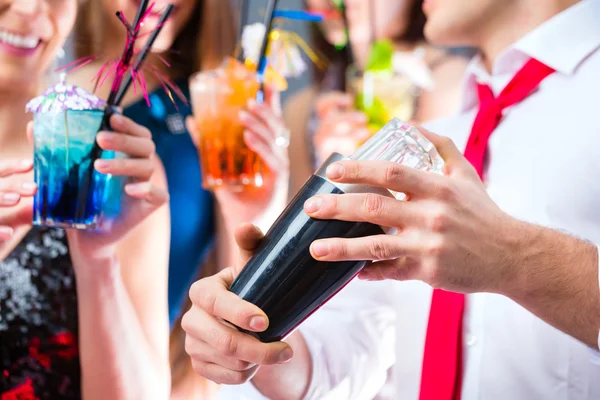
71	194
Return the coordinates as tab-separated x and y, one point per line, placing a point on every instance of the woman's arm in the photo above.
296	114
123	314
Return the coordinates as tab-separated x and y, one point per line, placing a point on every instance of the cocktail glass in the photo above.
218	96
382	95
66	196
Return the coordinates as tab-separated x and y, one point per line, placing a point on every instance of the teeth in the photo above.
23	42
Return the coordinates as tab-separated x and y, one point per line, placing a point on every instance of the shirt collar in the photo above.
563	43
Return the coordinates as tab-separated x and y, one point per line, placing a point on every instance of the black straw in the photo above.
142	56
243	21
262	57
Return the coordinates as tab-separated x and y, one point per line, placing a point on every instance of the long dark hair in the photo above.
333	77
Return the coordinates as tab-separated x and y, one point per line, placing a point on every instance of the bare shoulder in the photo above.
84	76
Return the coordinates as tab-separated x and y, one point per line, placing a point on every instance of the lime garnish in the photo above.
374	109
380	57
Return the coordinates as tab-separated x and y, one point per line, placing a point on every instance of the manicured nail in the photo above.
320	249
335	171
101	164
29	186
313	205
244	116
117	119
258	323
11	197
138	188
26	163
251	103
285	355
6	231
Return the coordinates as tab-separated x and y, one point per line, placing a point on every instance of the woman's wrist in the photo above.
99	270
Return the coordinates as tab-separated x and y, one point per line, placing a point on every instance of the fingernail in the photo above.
6	231
285	355
313	205
138	188
101	164
117	119
335	171
26	163
320	249
29	186
243	115
251	103
258	323
11	196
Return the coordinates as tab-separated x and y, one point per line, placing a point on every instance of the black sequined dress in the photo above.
38	320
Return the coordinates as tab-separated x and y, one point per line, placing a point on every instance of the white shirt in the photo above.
543	168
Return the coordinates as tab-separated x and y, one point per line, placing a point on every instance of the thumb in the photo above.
248	238
142	200
190	125
273	99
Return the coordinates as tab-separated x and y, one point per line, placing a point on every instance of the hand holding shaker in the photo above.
282	278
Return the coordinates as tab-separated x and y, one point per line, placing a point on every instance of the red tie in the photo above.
442	362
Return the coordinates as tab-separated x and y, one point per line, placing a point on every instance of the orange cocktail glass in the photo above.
218	96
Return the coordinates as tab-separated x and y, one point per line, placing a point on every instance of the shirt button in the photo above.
471	340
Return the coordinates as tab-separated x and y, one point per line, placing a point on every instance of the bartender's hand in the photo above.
219	351
451	234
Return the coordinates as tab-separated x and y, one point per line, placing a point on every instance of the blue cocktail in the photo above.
71	193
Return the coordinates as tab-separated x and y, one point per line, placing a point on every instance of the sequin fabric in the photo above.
38	320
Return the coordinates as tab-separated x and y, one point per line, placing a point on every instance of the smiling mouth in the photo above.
25	42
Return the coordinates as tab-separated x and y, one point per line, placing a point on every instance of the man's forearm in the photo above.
557	280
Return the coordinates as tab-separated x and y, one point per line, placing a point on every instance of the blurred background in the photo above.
256	15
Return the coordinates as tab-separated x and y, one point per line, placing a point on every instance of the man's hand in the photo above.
451	234
218	350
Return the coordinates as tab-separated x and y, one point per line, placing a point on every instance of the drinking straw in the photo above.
262	57
142	56
243	20
118	91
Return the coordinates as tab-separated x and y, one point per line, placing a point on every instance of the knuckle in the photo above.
207	300
200	368
374	205
266	355
446	192
226	344
186	323
234	377
239	365
435	248
437	221
379	251
393	172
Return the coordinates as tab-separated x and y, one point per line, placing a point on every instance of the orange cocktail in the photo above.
218	96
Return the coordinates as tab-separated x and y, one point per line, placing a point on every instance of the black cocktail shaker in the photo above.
282	278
